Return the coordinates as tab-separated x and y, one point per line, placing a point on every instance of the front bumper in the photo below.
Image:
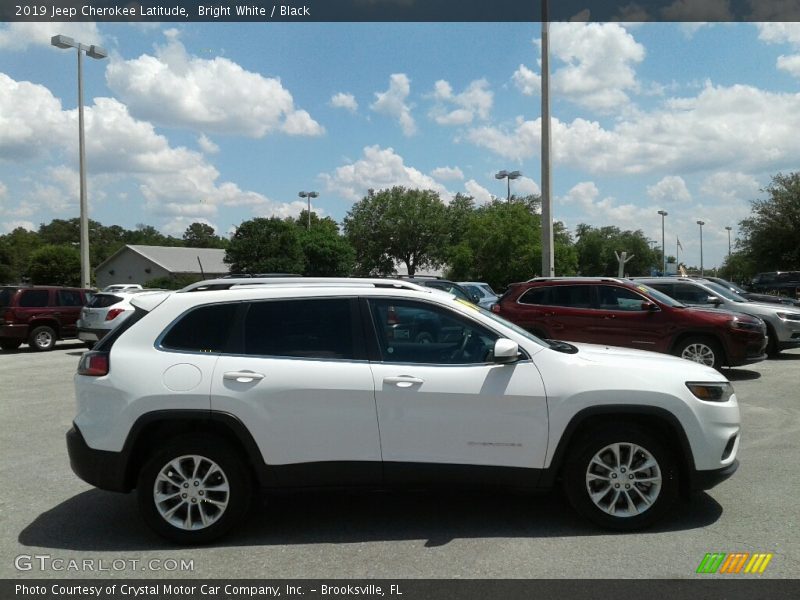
100	468
705	480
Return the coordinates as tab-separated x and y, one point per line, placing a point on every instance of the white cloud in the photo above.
525	186
671	188
527	82
730	187
477	191
783	33
461	109
738	127
585	196
380	168
346	101
447	173
392	103
600	60
177	89
19	36
10	226
206	145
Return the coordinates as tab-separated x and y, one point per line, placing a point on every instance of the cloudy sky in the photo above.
222	122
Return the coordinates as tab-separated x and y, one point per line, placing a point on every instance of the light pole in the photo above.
701	223
548	251
508	176
663	214
62	41
728	229
309	195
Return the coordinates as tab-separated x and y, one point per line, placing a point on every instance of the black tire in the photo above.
698	346
90	345
578	481
233	471
10	344
42	338
772	349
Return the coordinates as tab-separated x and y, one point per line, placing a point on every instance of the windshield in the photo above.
659	296
732	286
721	290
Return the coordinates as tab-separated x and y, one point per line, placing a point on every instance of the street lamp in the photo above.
508	176
309	195
663	214
64	42
701	223
728	229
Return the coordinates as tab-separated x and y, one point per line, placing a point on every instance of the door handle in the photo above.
403	381
610	317
243	376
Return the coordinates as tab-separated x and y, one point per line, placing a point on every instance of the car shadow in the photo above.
785	356
102	521
71	346
741	374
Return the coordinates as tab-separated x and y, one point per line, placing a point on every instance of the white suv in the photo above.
204	394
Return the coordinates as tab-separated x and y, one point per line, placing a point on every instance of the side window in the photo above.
418	332
618	298
535	296
204	329
690	294
69	298
35	298
572	296
317	328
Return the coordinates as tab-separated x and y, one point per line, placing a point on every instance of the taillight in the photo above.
114	313
495	308
8	316
93	364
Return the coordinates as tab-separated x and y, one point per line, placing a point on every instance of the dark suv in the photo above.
39	315
783	283
620	313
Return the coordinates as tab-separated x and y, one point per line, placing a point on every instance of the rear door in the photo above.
69	304
299	378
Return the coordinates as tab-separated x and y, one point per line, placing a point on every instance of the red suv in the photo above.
39	315
621	313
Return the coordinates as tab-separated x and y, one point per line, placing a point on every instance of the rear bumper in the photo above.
14	332
91	335
705	480
100	468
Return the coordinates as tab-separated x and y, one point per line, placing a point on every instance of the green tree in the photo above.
55	265
326	253
18	246
596	247
770	236
265	246
202	235
398	224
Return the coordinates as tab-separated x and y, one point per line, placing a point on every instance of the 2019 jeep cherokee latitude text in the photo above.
201	397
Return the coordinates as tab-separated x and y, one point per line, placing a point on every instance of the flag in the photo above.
679	244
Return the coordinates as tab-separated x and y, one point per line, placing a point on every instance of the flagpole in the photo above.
677	254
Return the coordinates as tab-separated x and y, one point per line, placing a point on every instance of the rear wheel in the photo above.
621	478
10	344
42	338
194	490
703	350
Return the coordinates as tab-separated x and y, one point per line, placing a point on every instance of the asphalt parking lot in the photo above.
45	510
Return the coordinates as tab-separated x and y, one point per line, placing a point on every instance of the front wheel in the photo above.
621	478
42	339
194	490
703	350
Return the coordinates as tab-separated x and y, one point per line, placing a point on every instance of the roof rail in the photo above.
577	278
254	282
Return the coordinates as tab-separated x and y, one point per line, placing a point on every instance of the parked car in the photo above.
39	315
445	285
122	287
486	295
778	283
104	312
201	397
752	296
633	315
783	322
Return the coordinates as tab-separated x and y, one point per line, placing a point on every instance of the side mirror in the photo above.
649	306
713	300
506	351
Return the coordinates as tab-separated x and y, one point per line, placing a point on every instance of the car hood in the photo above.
626	359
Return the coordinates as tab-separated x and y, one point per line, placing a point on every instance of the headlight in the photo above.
754	324
789	316
711	392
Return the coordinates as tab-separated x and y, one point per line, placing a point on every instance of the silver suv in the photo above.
783	322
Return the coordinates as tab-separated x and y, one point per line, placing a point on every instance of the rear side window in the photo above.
5	296
686	292
318	328
572	296
34	298
535	296
103	300
69	298
204	329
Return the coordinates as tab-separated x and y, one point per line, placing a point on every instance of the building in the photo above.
140	264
